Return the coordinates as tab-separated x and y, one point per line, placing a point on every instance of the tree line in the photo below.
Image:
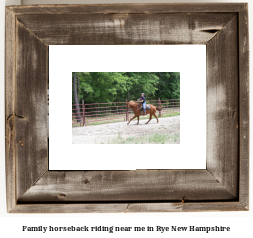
106	87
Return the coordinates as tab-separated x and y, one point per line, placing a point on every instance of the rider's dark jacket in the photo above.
143	98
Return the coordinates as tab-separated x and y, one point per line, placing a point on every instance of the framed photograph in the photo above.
181	68
103	102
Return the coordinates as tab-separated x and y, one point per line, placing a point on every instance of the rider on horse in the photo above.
135	106
143	101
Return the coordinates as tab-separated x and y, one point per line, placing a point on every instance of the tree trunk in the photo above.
78	116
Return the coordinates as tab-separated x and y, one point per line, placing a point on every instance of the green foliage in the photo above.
169	85
105	87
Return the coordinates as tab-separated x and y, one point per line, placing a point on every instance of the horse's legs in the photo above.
131	120
156	118
138	121
150	117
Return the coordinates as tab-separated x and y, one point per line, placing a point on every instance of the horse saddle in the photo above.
147	107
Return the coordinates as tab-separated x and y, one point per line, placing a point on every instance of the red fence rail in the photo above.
84	114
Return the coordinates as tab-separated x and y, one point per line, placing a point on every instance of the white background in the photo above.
189	60
241	222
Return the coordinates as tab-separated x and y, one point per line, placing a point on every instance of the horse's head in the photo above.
132	104
128	105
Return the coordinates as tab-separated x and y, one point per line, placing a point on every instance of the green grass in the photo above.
171	114
77	124
148	139
121	119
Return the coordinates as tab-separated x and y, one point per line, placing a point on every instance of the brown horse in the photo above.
137	112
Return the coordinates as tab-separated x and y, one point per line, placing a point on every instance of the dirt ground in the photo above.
167	131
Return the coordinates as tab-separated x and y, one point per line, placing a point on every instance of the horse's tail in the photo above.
159	109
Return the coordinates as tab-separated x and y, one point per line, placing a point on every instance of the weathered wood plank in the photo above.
186	207
139	185
9	108
114	29
222	107
129	207
244	106
30	108
129	8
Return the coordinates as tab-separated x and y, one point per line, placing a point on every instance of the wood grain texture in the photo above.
129	8
129	207
30	108
244	106
9	108
121	29
222	107
139	185
186	207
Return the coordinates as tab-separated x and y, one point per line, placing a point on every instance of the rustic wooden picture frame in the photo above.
222	186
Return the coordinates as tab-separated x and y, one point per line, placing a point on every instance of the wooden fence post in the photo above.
160	106
96	110
126	111
83	112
